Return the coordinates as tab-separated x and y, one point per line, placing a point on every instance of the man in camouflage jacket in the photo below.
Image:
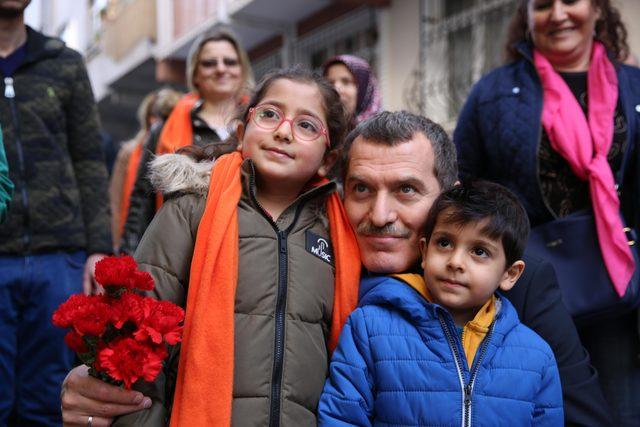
58	223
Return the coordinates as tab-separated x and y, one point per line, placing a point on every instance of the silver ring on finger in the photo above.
90	421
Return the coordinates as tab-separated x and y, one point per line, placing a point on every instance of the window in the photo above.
354	33
464	40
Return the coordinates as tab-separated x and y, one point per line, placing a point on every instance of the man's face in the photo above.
388	193
13	8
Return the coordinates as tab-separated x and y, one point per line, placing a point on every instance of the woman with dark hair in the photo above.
559	126
219	76
354	81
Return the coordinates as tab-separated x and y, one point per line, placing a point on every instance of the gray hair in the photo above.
219	34
393	128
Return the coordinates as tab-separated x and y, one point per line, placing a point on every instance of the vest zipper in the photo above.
467	389
281	298
10	94
281	305
466	395
476	366
278	346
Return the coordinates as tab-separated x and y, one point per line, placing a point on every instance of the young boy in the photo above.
446	349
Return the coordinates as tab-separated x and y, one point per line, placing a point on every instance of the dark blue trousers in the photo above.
33	357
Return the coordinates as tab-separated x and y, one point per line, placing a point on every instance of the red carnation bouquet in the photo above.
122	336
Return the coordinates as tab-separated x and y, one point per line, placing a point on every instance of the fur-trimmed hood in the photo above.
178	173
172	174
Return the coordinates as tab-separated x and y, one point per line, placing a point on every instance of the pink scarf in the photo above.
585	144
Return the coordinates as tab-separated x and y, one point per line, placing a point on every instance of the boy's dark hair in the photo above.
475	201
336	116
394	128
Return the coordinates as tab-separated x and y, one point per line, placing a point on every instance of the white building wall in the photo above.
67	19
630	11
398	53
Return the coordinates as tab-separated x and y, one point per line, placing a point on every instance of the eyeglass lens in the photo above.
228	62
304	127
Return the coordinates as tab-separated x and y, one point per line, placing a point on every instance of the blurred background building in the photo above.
426	53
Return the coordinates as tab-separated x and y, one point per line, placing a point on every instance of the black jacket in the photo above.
537	299
50	127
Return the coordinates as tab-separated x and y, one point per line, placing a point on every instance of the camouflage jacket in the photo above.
49	122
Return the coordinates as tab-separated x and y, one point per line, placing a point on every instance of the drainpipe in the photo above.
422	55
221	12
289	41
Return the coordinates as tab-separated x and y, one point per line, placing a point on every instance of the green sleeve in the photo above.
6	186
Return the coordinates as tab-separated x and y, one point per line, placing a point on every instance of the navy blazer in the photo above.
497	138
538	302
500	126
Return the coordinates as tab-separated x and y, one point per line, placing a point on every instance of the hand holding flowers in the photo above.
122	336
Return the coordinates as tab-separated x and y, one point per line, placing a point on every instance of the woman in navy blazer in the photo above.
500	136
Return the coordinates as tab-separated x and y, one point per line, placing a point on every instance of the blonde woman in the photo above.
219	76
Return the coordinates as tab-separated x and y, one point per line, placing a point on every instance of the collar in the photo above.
39	46
310	192
483	318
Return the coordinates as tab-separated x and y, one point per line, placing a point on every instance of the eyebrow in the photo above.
492	244
489	243
281	106
215	58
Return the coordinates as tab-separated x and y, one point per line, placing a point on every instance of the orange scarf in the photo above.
204	385
177	132
129	181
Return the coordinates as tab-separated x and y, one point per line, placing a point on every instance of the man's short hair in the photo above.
394	128
475	201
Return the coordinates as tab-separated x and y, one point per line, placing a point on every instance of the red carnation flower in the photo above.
64	316
114	271
128	360
128	308
85	314
75	342
140	280
92	317
162	321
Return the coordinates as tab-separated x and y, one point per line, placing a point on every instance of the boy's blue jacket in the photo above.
395	365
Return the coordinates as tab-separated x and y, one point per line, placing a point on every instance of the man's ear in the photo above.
423	251
511	275
329	160
240	135
457	183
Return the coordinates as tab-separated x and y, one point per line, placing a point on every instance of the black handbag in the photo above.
570	244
